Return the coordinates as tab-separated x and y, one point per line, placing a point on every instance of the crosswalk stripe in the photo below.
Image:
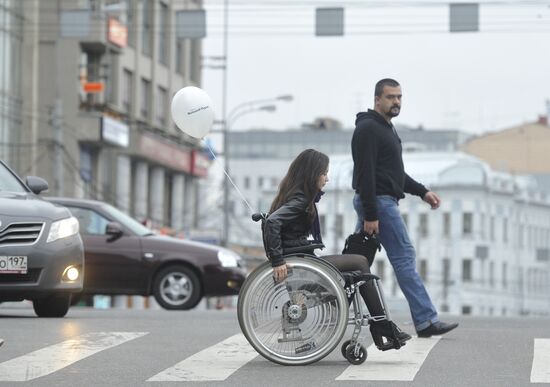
402	364
55	357
540	372
217	362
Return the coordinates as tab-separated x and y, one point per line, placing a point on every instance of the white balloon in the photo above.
192	111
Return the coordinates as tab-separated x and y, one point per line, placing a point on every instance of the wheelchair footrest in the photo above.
391	342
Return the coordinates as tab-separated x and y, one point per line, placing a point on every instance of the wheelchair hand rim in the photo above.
337	316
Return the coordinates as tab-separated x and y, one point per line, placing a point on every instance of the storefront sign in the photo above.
115	132
165	153
117	33
199	164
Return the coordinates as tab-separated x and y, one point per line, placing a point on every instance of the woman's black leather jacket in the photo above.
288	226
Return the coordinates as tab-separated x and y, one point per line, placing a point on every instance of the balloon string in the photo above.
229	178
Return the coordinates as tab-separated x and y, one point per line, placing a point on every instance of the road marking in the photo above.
540	373
217	362
55	357
402	364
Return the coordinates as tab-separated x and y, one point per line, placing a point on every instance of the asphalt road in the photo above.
116	347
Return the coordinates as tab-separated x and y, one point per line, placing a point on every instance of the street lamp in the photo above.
238	111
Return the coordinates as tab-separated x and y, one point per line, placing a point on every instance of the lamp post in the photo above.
238	111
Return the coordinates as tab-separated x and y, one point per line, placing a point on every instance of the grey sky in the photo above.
476	82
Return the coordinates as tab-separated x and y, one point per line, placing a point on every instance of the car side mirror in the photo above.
113	230
36	184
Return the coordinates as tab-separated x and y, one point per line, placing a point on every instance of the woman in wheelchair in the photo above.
293	218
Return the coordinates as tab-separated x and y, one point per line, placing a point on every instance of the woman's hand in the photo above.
280	272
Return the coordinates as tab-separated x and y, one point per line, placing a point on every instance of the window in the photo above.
423	269
446	224
162	103
164	23
260	182
127	91
482	226
322	221
110	75
446	276
520	235
505	230
492	228
179	57
467	224
91	223
90	65
491	274
466	309
423	225
405	219
247	182
380	269
195	70
145	98
466	270
130	23
338	225
147	28
504	275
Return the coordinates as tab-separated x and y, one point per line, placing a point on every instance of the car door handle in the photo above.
148	255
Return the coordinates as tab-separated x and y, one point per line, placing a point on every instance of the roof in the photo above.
442	169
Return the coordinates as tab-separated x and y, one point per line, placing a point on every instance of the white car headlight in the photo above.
62	229
228	258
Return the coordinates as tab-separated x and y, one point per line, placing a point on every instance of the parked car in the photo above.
41	252
123	257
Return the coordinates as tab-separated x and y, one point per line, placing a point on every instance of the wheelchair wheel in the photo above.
356	357
298	321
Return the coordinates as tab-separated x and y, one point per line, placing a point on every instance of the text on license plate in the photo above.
13	264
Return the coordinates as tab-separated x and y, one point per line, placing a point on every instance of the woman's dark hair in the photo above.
303	175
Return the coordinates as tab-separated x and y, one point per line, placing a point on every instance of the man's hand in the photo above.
370	228
432	199
280	273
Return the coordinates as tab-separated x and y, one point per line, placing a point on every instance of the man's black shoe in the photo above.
436	329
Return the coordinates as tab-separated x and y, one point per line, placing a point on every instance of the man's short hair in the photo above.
379	88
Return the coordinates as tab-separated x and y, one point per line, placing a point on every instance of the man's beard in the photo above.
392	112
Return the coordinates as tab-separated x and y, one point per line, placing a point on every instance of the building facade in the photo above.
98	77
486	251
11	81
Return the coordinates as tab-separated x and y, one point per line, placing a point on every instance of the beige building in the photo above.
519	150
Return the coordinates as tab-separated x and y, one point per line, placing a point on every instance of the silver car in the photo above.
41	252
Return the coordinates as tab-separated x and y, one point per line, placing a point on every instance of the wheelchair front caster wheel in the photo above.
344	348
356	359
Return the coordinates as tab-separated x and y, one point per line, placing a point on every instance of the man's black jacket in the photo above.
378	163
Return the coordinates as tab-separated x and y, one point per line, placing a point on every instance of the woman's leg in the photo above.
351	262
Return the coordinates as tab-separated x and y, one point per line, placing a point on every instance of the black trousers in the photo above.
350	262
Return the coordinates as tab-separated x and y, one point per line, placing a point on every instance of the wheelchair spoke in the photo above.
298	321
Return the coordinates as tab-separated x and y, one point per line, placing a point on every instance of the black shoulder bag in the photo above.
362	244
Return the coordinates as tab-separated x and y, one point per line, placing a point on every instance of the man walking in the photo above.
380	181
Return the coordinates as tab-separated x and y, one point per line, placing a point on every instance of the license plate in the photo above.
13	264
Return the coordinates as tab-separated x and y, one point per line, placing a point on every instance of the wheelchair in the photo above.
302	319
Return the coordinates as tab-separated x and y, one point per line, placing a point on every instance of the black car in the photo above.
41	252
123	257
